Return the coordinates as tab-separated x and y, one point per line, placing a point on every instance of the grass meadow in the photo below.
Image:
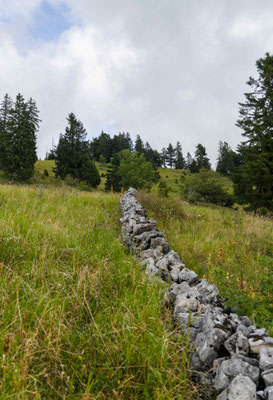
231	248
78	318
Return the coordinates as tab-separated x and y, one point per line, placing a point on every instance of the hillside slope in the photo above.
78	318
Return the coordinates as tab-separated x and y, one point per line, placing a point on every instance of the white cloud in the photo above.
167	70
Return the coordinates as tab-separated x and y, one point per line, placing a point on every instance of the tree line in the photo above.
250	167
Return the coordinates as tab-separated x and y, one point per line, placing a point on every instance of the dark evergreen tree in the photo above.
51	155
201	157
227	159
194	167
188	161
19	139
121	142
164	157
253	182
113	178
5	111
101	146
170	155
139	145
179	159
73	156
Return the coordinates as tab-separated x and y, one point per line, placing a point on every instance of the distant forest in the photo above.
250	167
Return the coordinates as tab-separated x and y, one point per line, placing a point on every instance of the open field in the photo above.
78	318
231	248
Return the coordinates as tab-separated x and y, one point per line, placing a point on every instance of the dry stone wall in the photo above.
233	356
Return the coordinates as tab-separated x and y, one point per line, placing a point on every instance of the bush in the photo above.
206	186
163	189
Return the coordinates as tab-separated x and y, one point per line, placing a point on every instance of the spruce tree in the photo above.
179	159
5	111
113	178
139	145
170	155
20	139
253	182
201	158
73	154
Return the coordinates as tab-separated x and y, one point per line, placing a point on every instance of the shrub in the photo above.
163	189
206	186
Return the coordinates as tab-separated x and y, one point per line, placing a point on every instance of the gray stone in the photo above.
242	345
256	345
187	301
183	319
174	272
243	329
260	395
209	345
268	377
258	333
208	293
151	268
161	243
230	343
240	388
231	368
189	276
237	343
269	393
266	358
245	321
151	253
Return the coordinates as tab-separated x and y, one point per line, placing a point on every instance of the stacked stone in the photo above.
234	356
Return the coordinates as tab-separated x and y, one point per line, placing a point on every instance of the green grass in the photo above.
231	248
78	318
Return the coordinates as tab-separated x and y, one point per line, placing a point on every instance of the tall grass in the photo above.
78	318
230	248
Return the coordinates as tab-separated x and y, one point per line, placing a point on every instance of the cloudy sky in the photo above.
168	70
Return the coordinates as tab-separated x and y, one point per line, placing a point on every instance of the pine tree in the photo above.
201	158
170	155
227	159
113	178
164	157
179	159
139	145
20	139
188	161
73	154
253	182
5	110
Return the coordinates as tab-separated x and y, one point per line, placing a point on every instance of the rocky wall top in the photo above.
233	356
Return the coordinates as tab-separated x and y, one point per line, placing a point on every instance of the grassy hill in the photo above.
78	318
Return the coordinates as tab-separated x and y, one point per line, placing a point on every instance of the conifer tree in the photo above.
179	159
170	155
113	178
253	182
5	110
201	158
139	145
73	155
19	139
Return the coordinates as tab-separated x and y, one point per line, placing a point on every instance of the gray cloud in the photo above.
168	70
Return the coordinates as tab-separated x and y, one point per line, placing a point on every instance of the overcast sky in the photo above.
168	70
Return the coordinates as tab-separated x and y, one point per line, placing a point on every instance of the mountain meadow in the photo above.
80	320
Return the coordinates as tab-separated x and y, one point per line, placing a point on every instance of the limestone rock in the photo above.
266	358
268	377
240	388
229	369
189	276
